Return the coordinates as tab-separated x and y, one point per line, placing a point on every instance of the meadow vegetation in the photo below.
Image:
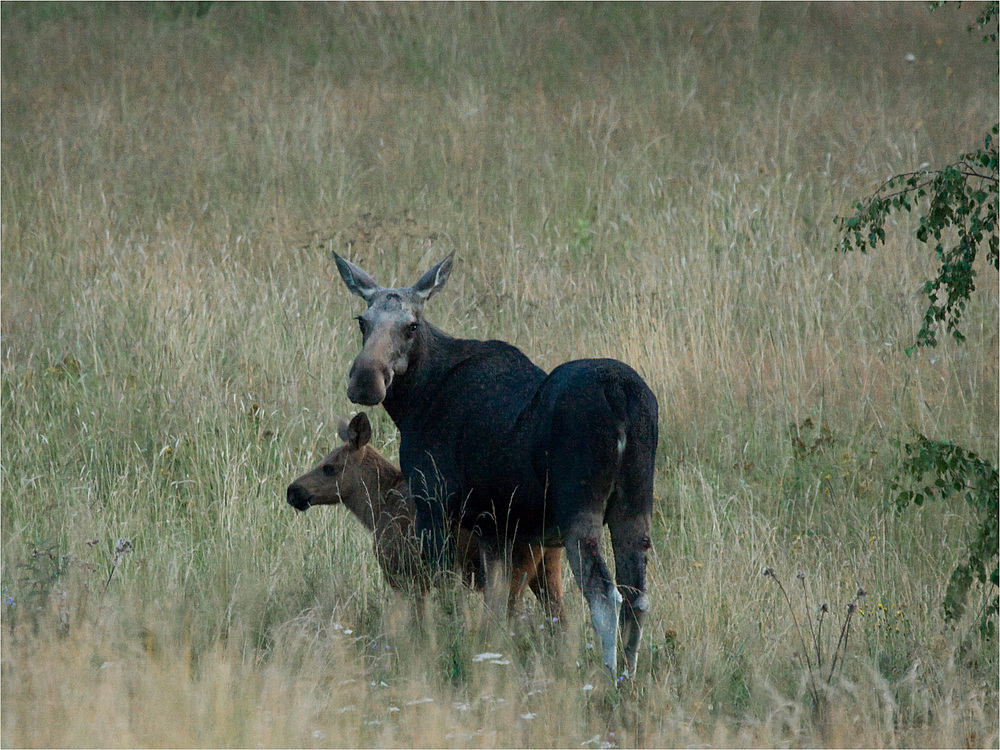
655	183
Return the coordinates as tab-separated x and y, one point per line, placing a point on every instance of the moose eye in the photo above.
412	328
329	470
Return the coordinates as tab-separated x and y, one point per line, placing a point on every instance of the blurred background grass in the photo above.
655	183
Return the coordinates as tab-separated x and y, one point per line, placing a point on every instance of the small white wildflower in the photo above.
588	687
528	716
486	655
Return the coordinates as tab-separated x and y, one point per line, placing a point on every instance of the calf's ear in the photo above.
359	431
433	281
356	279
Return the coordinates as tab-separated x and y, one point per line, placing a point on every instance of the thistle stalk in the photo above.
845	631
122	547
812	632
769	573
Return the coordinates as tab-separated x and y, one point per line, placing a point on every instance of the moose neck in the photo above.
434	354
383	491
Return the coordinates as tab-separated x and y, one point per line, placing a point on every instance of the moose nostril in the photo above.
297	497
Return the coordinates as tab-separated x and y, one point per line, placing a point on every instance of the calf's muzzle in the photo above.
298	497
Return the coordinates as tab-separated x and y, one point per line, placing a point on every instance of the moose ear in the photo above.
344	431
357	280
432	281
359	431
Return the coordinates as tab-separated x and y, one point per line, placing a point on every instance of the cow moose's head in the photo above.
390	328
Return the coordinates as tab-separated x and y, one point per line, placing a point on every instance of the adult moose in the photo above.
492	442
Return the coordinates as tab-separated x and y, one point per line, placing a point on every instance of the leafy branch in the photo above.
986	16
957	472
963	197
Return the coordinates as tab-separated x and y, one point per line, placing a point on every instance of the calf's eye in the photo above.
329	470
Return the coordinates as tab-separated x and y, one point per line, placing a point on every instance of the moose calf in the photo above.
376	492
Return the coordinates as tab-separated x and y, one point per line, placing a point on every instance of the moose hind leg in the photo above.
630	539
585	452
583	550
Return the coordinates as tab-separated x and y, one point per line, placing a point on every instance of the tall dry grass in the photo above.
655	183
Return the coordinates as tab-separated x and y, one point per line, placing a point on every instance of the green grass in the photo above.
655	183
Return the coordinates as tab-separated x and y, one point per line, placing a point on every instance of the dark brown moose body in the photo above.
492	443
374	490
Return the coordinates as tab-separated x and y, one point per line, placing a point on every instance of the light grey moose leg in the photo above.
630	539
592	575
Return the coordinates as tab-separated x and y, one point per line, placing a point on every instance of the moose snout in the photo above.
298	497
367	385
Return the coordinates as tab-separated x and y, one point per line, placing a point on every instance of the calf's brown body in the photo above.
374	490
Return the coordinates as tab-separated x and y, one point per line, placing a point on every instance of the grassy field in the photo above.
652	183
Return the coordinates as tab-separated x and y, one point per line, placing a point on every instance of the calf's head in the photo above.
340	476
390	328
